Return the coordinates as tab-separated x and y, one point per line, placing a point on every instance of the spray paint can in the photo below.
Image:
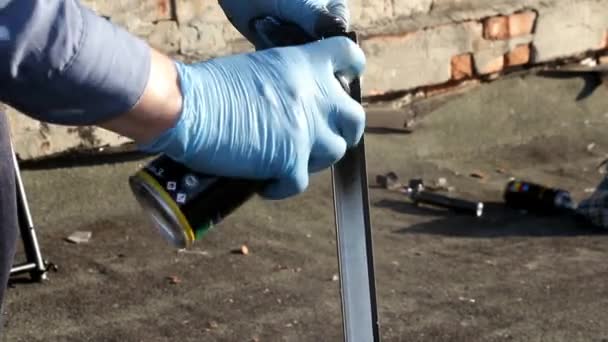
183	204
534	197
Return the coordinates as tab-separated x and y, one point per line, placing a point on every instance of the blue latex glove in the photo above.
315	17
276	114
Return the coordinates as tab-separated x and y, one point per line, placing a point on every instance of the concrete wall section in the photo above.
570	28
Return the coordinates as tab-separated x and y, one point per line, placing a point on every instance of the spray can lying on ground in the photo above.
537	198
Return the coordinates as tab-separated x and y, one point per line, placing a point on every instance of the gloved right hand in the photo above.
318	18
276	114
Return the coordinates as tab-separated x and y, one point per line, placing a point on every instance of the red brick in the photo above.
163	8
462	66
493	66
521	24
496	28
518	56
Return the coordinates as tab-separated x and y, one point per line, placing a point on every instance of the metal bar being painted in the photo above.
354	241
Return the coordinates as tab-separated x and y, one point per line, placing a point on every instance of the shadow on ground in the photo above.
497	221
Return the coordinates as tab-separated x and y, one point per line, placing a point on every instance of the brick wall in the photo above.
423	46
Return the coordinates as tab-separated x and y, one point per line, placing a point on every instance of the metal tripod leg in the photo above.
34	265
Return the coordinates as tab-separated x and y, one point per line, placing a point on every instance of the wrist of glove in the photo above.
277	114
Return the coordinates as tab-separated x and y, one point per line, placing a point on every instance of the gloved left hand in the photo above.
315	17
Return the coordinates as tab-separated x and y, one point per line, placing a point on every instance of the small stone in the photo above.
478	175
279	301
288	325
281	267
174	280
255	339
193	251
590	147
115	306
442	182
243	250
388	181
395	263
213	325
590	62
79	237
309	235
403	101
589	190
298	269
335	277
464	299
230	300
439	184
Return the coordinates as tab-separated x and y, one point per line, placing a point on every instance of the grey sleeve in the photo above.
61	63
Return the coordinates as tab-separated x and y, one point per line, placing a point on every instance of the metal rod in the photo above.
456	204
354	241
23	268
26	227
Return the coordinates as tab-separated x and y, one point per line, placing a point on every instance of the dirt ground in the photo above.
507	276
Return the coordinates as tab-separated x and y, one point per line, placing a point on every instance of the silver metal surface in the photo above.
354	241
27	230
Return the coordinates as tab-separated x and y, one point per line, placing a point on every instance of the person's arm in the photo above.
61	63
158	108
277	114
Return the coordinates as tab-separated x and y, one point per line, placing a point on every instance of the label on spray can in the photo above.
537	198
185	204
